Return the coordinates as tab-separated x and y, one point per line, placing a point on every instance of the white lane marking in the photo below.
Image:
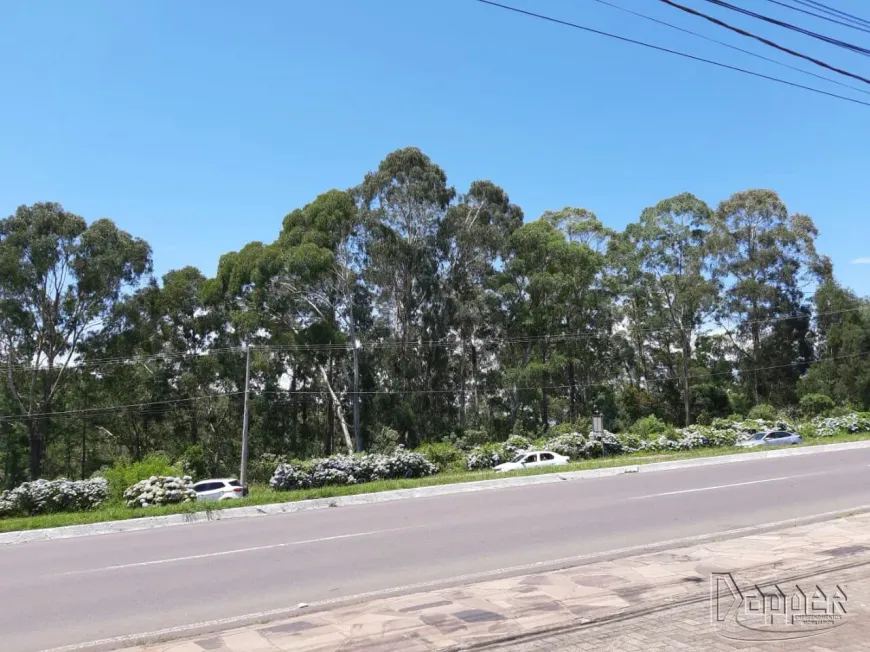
225	623
725	486
237	551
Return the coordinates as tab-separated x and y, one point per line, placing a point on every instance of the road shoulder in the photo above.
531	607
147	523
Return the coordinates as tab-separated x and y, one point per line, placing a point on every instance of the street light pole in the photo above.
243	473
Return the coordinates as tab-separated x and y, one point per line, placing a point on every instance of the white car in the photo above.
771	438
222	489
532	460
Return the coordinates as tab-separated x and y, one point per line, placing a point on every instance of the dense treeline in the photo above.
402	307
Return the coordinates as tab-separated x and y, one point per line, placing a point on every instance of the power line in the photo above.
154	357
115	408
782	48
860	28
827	39
733	47
831	11
324	392
674	52
452	341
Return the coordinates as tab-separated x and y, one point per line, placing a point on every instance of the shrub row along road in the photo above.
63	592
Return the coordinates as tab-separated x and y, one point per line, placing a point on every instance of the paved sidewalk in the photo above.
690	627
675	583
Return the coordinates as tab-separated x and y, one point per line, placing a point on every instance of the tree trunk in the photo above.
357	434
338	412
84	450
330	428
687	396
462	384
545	404
572	392
516	393
35	437
756	345
474	363
194	425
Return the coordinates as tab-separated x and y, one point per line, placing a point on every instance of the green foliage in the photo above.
704	418
405	309
813	405
571	444
594	449
652	427
762	411
385	441
472	438
260	470
564	429
193	463
124	473
485	456
444	455
635	403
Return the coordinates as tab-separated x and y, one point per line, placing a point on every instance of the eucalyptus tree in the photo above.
472	241
405	201
674	264
765	259
59	278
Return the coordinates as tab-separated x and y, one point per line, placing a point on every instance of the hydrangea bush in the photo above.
351	469
160	490
851	423
48	496
516	444
485	457
571	445
609	442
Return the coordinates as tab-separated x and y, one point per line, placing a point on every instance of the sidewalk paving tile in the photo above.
476	613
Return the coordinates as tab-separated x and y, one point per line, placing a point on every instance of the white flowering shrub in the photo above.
851	423
351	469
160	490
48	496
485	457
593	448
571	445
610	443
516	444
291	475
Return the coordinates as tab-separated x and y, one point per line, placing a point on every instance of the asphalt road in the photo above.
63	592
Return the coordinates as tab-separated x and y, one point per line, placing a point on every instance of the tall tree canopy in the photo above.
403	311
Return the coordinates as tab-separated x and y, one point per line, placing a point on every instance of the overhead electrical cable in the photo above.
766	41
795	28
734	47
832	11
860	28
659	48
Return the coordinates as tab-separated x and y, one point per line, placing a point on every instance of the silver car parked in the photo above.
772	438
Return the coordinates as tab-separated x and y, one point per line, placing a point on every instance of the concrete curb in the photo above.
147	523
131	641
772	579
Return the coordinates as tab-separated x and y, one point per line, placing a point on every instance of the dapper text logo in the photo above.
774	612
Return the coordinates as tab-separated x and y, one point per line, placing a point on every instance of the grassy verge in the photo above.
266	495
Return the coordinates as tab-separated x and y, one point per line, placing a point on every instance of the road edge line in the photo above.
248	620
172	520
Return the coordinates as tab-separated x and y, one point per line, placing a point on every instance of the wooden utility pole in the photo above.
243	473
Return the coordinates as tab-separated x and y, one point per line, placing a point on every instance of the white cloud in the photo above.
861	261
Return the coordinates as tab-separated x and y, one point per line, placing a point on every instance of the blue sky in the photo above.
198	125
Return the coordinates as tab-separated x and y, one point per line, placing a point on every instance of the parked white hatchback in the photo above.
772	438
219	489
532	460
